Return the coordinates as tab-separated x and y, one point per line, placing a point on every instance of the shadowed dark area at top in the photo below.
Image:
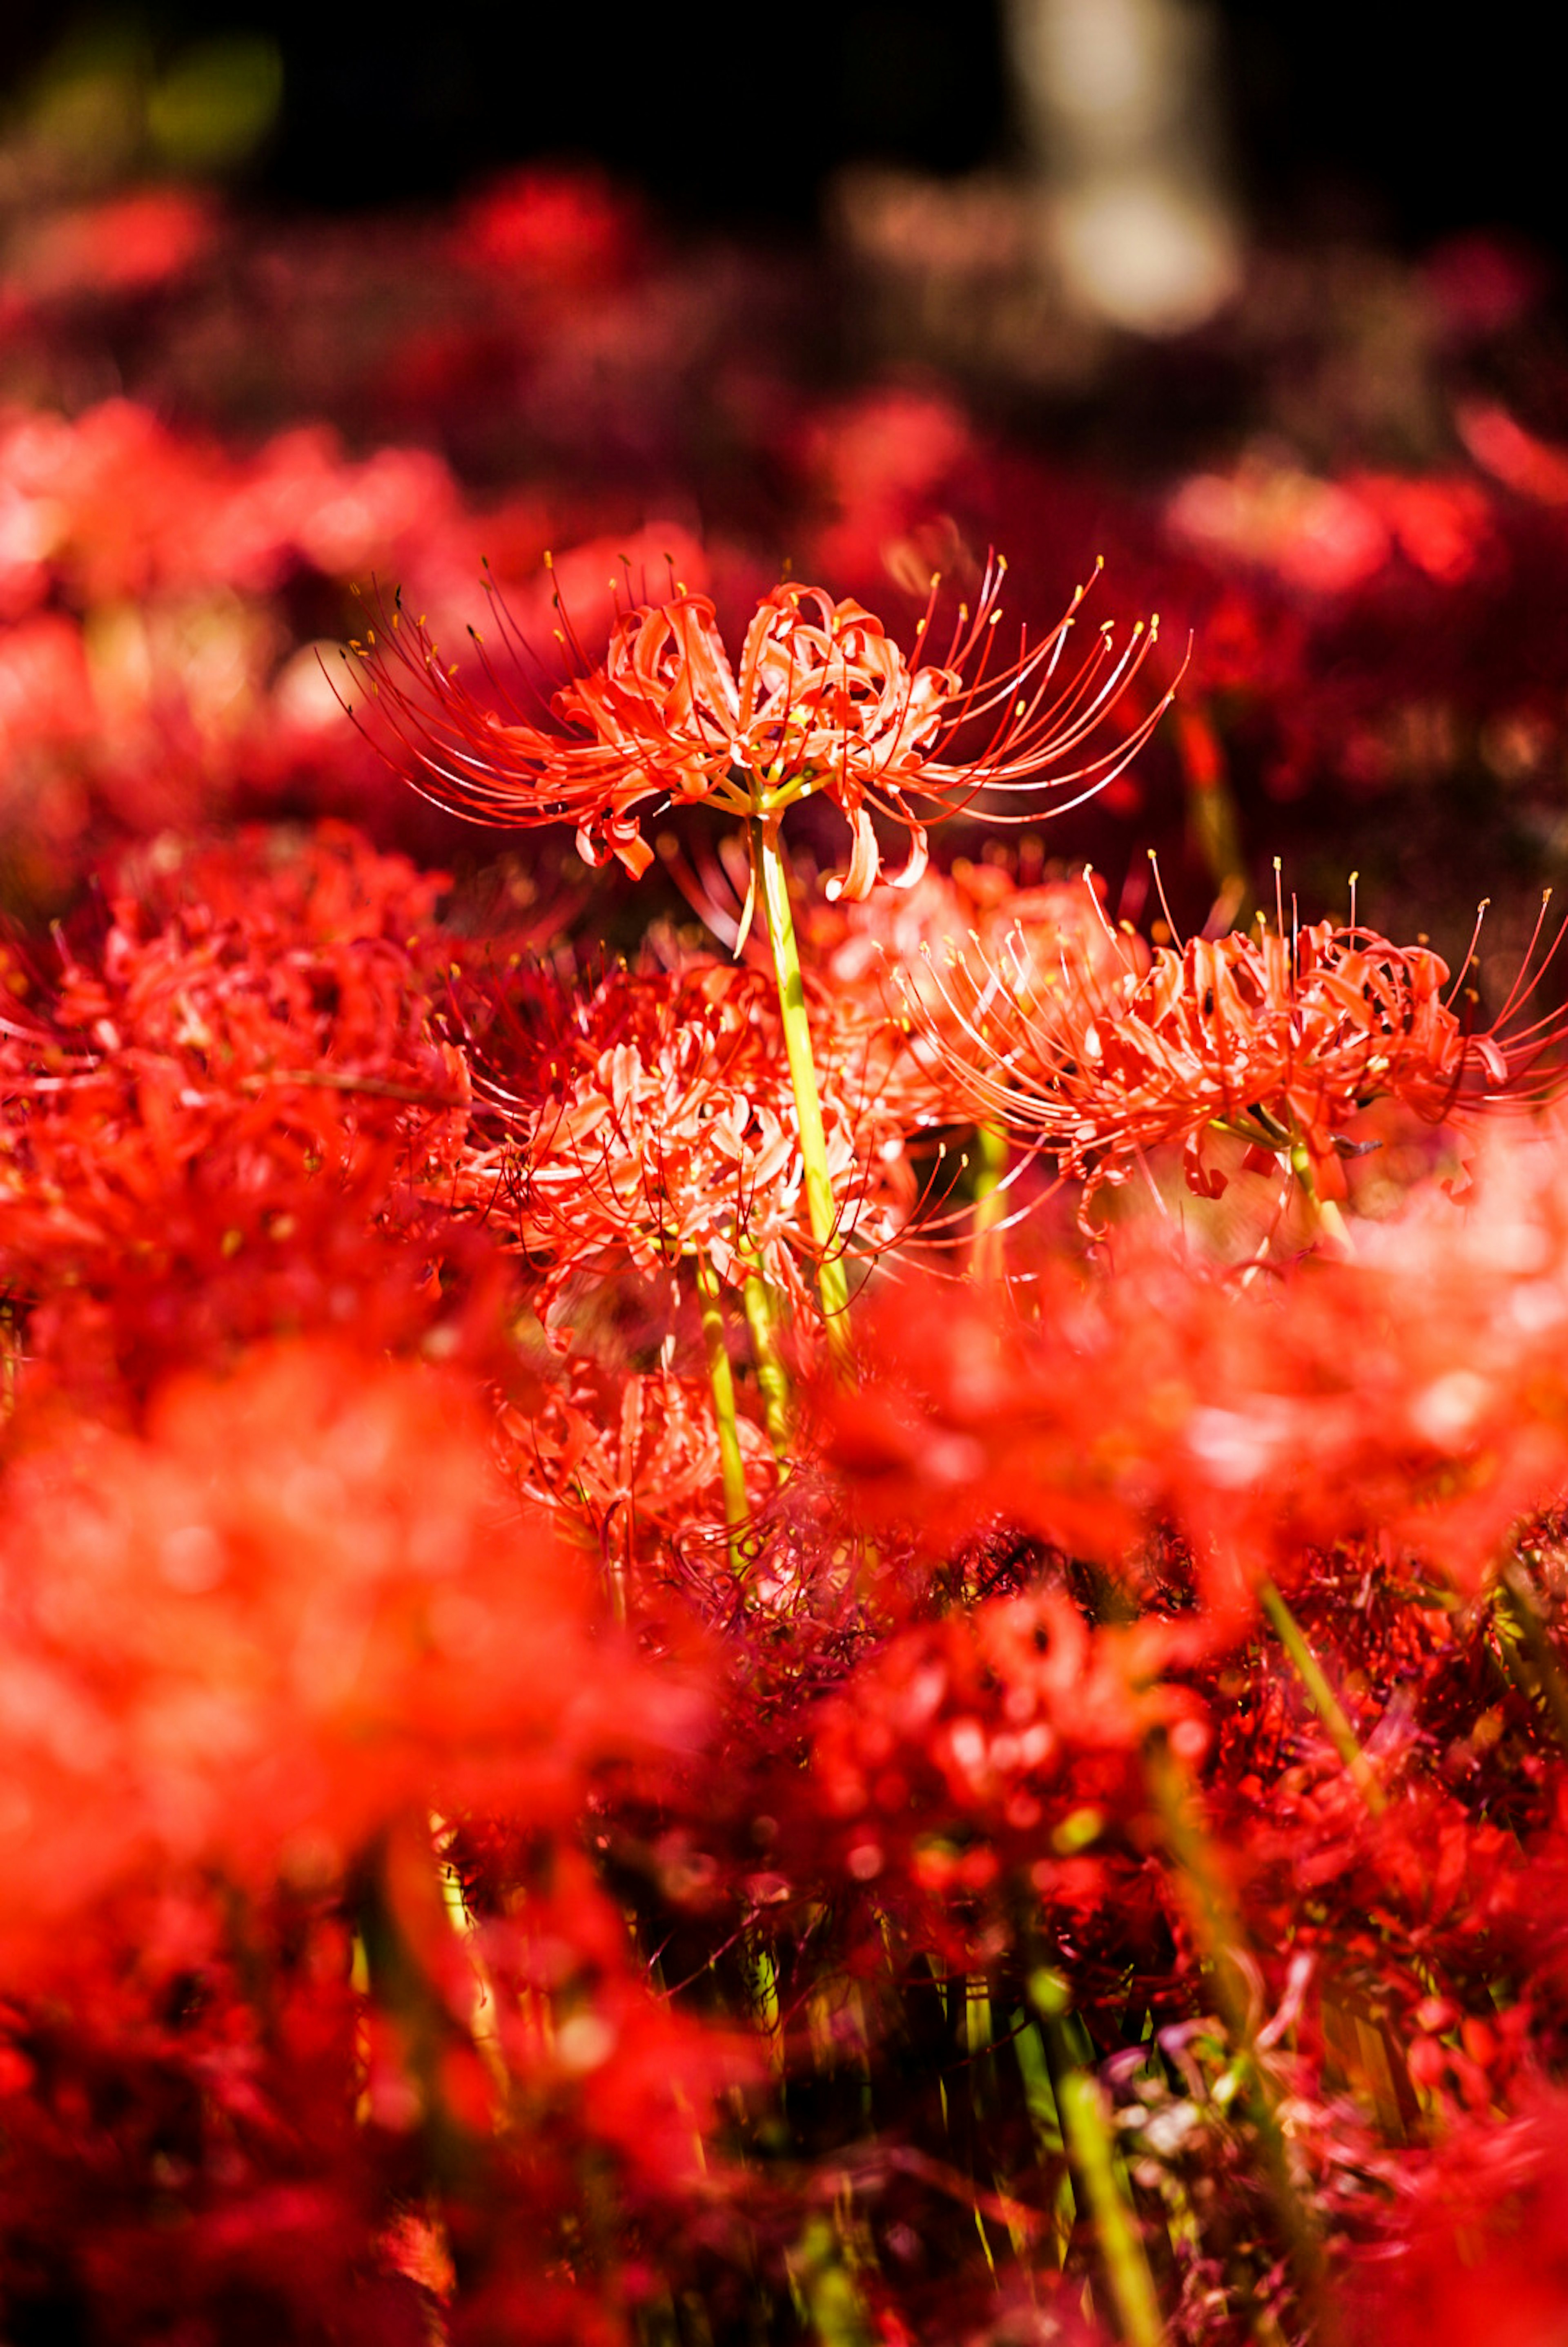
726	114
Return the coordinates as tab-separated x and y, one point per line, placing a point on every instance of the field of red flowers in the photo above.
783	1308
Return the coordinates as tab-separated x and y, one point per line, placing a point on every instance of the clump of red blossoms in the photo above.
1416	1390
631	1462
1017	1800
647	1118
219	1105
277	1657
1003	1737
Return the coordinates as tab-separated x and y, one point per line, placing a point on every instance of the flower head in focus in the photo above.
1277	1036
650	1119
821	701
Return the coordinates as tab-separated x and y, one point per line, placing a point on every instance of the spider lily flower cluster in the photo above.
904	1776
1417	1389
648	1121
821	701
888	1725
570	1771
1278	1037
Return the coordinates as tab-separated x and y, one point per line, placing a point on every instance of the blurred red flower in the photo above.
300	1608
212	1115
1418	1388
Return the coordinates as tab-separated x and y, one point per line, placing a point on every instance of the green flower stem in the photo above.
762	1319
832	1284
1086	2128
991	1167
1095	2175
721	1380
393	1971
1321	1695
1219	1934
823	2283
10	1363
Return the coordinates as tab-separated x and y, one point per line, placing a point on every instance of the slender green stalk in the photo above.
618	1576
10	1363
1045	2119
762	1319
832	1284
1087	2129
1322	1696
401	1912
1219	1933
1094	2172
721	1382
823	2284
990	1166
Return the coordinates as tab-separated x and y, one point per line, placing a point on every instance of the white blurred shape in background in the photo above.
1120	106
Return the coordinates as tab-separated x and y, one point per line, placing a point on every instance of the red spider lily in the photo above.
1419	1389
210	2059
210	1121
113	506
1471	2246
1446	1890
639	1471
853	942
849	947
165	2075
822	702
979	1718
298	1609
651	1119
1279	1038
1055	922
554	229
976	1770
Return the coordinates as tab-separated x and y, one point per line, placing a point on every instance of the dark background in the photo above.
1339	116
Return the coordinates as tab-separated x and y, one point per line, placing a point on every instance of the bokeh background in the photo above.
1331	116
1263	307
